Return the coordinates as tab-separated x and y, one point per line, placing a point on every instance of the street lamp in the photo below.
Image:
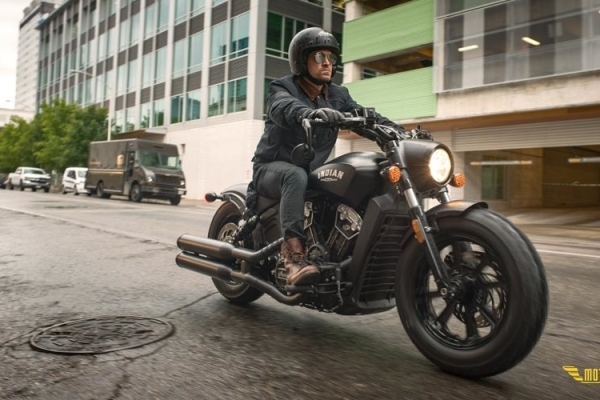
76	71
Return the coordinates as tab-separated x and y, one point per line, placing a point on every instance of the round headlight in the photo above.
440	166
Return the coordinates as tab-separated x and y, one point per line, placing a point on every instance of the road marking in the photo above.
568	254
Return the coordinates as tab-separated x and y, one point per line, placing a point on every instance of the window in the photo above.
508	41
150	21
218	47
145	115
181	9
236	95
160	70
121	79
197	7
147	70
107	83
158	113
216	100
102	47
240	28
124	35
217	2
195	49
179	58
88	91
130	119
280	31
111	40
132	74
134	29
176	109
99	98
119	122
163	15
193	105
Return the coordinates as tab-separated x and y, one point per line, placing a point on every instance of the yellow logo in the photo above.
590	375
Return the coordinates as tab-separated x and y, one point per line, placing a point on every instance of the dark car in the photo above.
3	178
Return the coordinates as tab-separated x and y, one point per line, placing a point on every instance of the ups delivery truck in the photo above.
135	168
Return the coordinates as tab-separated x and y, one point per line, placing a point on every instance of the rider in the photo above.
308	93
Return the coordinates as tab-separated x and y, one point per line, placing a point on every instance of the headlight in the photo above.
149	179
440	165
182	183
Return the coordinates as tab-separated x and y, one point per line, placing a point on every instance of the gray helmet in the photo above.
308	40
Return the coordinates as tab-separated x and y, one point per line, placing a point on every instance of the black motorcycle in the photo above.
469	287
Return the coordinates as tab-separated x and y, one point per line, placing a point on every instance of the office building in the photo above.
188	72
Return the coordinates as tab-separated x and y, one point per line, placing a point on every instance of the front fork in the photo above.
423	233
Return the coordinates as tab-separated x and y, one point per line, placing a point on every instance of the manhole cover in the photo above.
100	335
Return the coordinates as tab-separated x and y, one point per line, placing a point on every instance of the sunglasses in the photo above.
320	57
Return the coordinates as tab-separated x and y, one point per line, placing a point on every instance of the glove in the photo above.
328	115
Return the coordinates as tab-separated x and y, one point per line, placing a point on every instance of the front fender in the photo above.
452	208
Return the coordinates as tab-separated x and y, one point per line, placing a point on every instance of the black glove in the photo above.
328	115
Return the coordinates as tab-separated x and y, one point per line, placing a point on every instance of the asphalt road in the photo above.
64	257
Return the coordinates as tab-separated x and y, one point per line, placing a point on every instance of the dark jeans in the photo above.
287	182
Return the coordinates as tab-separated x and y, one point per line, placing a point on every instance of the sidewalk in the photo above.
564	224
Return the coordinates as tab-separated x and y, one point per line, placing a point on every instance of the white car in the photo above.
74	180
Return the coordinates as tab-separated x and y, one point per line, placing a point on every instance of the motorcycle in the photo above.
469	287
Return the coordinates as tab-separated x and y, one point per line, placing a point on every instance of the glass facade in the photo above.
514	40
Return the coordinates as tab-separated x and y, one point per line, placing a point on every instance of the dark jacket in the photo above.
286	104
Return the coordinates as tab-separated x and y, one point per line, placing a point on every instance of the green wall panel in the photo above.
397	28
404	95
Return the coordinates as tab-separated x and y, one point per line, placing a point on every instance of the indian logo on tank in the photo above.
330	175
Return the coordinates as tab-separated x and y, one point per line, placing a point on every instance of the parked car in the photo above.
3	179
28	177
74	180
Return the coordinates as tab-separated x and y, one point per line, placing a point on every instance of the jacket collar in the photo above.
312	91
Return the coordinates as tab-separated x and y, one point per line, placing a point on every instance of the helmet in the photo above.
308	40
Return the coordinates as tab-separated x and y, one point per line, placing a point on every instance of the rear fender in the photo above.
236	194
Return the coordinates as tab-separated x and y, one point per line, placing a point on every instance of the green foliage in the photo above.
57	138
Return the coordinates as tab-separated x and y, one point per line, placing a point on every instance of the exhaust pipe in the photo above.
224	251
220	271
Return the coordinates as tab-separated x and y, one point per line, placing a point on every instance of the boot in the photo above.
294	260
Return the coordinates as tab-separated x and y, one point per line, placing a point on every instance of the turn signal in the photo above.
418	232
458	180
393	174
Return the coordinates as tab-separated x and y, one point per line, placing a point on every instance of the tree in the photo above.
58	137
67	131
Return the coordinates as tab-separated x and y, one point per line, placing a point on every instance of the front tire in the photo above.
136	193
502	303
175	200
223	225
100	191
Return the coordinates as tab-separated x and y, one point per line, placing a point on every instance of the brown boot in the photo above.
294	259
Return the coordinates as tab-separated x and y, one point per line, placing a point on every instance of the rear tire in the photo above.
503	306
223	225
100	191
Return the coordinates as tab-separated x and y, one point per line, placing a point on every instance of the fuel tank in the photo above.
351	177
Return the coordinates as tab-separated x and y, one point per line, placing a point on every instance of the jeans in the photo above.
287	182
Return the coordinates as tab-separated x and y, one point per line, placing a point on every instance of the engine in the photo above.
331	230
337	232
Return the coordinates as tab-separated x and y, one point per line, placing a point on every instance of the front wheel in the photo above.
136	193
100	191
175	200
223	225
499	296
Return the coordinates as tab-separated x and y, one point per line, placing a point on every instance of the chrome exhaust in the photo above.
215	269
224	251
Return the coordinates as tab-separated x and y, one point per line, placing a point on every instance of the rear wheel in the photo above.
100	191
10	186
223	225
63	190
498	301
